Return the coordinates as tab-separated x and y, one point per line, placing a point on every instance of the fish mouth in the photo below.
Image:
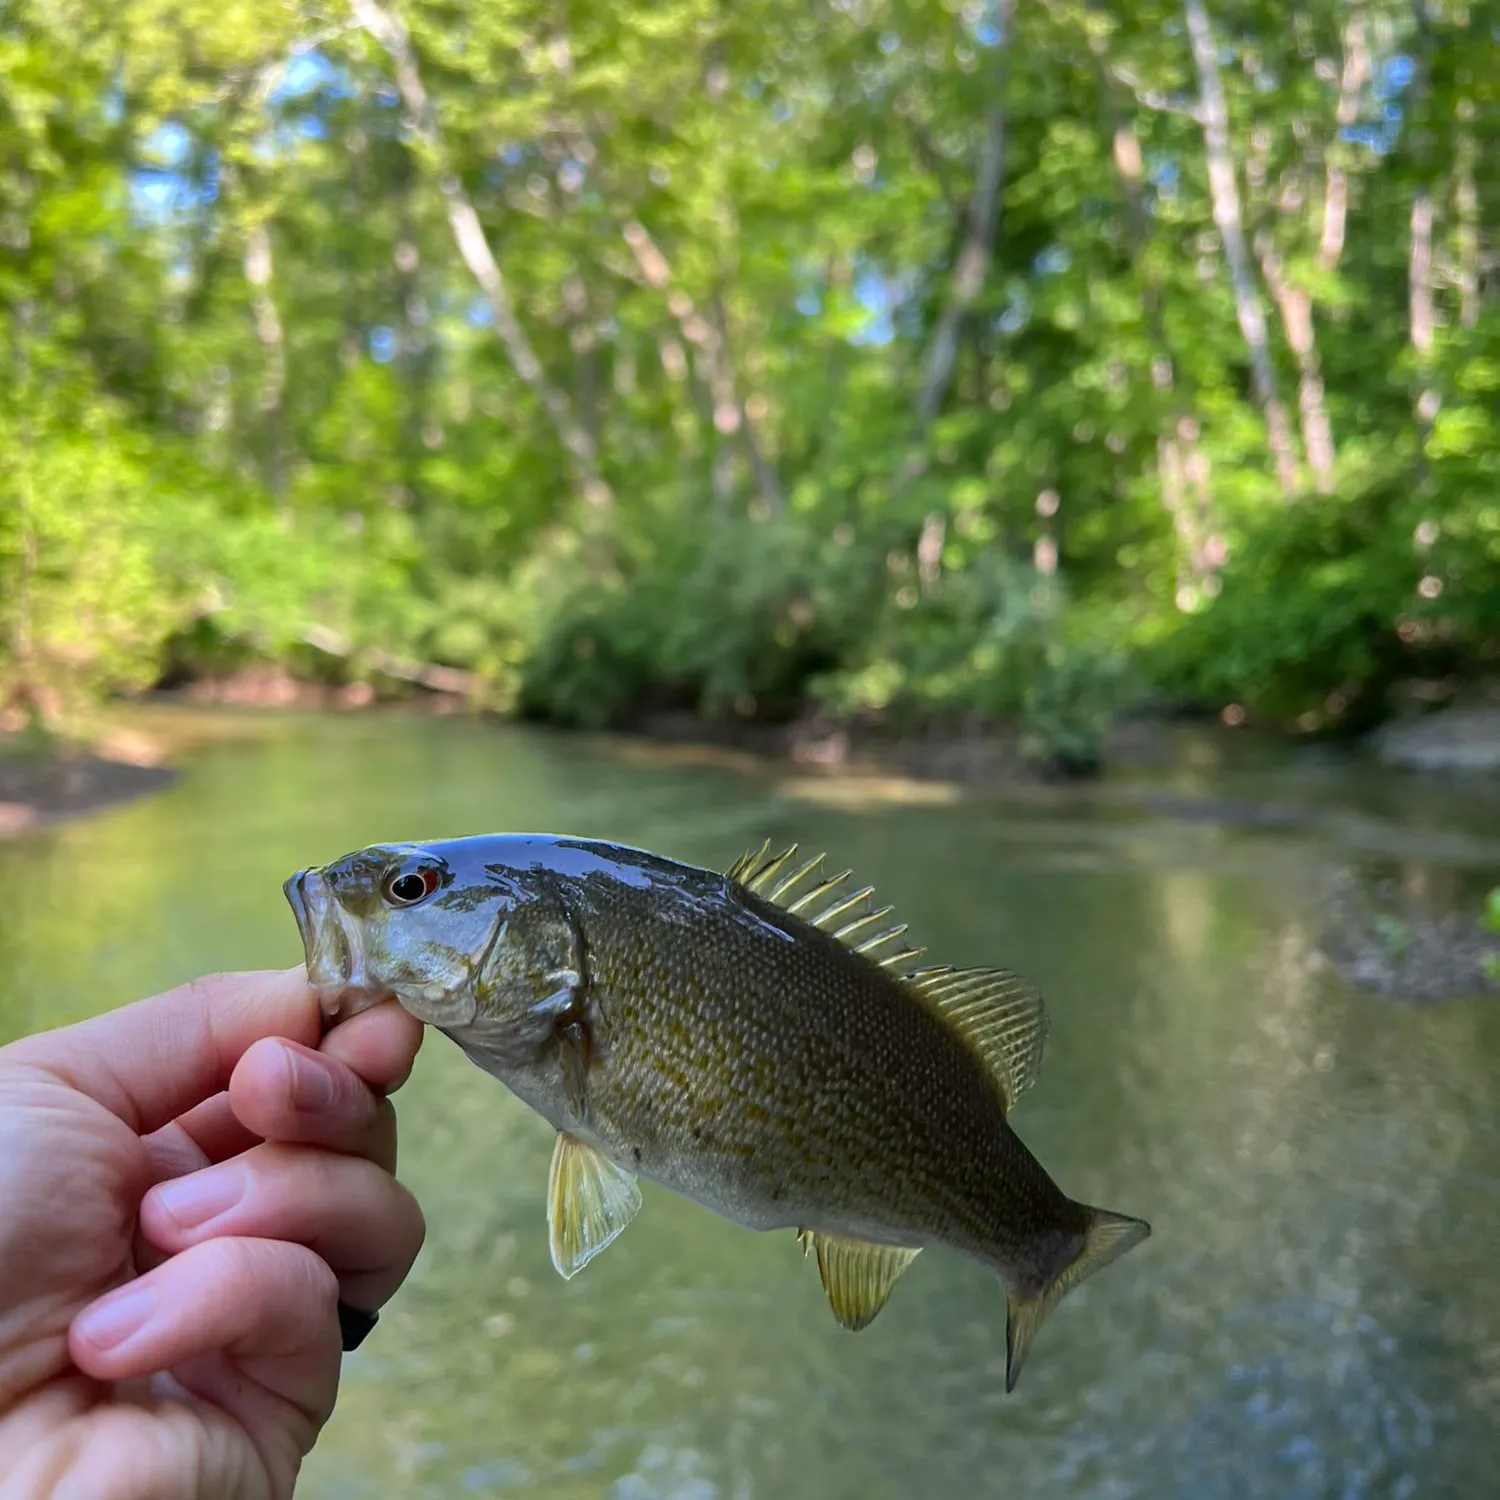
336	971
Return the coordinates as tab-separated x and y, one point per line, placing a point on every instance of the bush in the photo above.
732	620
995	642
1327	603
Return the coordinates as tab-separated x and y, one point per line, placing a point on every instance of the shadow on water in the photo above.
1315	1315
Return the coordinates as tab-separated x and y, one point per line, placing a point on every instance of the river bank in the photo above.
36	792
135	754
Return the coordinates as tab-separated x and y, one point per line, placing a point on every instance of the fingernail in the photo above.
110	1323
312	1085
201	1196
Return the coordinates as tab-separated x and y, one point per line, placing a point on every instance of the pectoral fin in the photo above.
857	1275
590	1200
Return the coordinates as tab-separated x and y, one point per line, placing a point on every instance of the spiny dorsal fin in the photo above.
848	916
857	1275
997	1013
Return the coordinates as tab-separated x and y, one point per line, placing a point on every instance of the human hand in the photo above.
197	1148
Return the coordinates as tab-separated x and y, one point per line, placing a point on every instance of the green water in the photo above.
1317	1313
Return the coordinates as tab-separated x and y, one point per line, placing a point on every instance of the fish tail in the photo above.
1107	1237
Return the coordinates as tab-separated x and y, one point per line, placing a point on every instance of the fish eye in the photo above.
410	887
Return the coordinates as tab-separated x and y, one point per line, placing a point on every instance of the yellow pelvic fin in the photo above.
999	1015
1108	1237
857	1275
590	1200
842	914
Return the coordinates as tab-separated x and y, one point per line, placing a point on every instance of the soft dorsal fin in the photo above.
849	916
997	1013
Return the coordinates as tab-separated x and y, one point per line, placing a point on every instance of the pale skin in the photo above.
188	1187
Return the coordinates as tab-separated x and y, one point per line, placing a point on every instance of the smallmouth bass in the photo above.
756	1040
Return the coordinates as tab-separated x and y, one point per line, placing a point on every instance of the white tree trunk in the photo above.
1295	306
259	273
709	336
971	270
1466	205
969	275
1178	454
1214	115
389	30
1352	80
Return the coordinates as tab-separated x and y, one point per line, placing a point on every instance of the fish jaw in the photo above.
336	971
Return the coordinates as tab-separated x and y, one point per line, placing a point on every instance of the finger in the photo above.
154	1060
209	1132
358	1218
379	1044
282	1091
270	1305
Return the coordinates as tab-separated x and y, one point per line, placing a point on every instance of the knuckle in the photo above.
319	1281
413	1221
300	1275
236	1262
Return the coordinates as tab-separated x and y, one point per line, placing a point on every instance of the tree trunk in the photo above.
1178	453
25	691
709	337
259	273
1420	315
1224	189
1295	306
767	481
970	272
415	357
390	31
435	678
1466	206
585	346
1352	80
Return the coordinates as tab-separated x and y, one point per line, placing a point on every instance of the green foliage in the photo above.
998	642
1326	605
256	401
1490	921
729	619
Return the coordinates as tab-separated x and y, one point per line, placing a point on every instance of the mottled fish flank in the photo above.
761	1041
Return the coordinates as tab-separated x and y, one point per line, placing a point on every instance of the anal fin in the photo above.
857	1274
590	1199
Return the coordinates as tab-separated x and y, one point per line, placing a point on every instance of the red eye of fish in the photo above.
414	886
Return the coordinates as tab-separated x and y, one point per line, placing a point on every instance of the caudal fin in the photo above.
1108	1237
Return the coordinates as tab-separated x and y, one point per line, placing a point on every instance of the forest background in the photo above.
907	362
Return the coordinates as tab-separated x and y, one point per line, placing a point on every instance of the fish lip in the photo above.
335	967
291	888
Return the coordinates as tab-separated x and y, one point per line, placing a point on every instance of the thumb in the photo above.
152	1061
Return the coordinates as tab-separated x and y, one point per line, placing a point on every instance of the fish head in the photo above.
402	921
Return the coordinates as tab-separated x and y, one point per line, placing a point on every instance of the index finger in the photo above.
155	1059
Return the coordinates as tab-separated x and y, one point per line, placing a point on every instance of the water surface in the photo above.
1316	1314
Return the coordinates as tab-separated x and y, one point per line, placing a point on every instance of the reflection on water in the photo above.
1317	1313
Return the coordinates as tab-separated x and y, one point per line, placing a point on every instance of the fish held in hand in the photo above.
761	1041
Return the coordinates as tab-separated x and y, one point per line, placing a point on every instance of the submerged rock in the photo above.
1401	950
1453	739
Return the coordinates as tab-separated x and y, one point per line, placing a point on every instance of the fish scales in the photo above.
855	1105
732	1037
